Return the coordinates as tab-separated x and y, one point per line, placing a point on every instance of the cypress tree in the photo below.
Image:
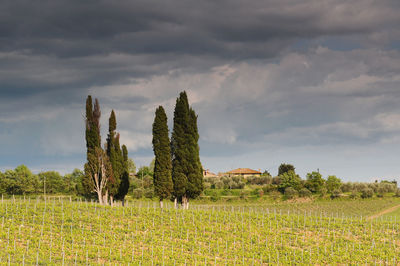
115	155
195	174
124	180
97	169
162	178
179	150
187	172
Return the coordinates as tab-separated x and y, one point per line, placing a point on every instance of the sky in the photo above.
313	83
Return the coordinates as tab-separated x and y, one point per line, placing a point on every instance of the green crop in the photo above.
59	231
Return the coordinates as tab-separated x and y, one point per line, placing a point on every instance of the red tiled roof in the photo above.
244	171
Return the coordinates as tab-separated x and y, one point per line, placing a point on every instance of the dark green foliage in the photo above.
124	184
289	179
284	168
119	185
195	174
93	141
163	186
187	172
314	182
179	147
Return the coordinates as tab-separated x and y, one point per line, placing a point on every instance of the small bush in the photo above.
353	195
367	193
305	193
290	193
137	193
149	193
336	193
397	194
275	195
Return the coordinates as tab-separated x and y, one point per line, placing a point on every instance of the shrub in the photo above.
305	193
259	180
336	193
214	196
290	193
137	193
354	194
149	193
367	193
397	194
347	187
275	195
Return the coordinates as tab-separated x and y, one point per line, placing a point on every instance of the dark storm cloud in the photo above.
80	44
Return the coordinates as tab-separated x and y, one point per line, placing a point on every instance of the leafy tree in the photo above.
144	171
72	184
52	181
284	168
332	183
131	166
314	182
162	177
289	179
20	181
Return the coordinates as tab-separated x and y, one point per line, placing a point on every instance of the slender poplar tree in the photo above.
162	178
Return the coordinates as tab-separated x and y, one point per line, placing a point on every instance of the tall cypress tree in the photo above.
179	150
195	174
124	180
97	170
186	167
162	178
115	154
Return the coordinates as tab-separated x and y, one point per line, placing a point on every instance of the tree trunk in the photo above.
185	203
111	200
176	203
123	202
161	204
100	197
105	198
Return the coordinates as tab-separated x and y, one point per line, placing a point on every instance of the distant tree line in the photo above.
289	184
21	181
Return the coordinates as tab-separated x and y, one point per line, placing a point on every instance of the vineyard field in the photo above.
62	232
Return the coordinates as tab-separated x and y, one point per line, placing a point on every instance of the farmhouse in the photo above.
207	173
245	172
